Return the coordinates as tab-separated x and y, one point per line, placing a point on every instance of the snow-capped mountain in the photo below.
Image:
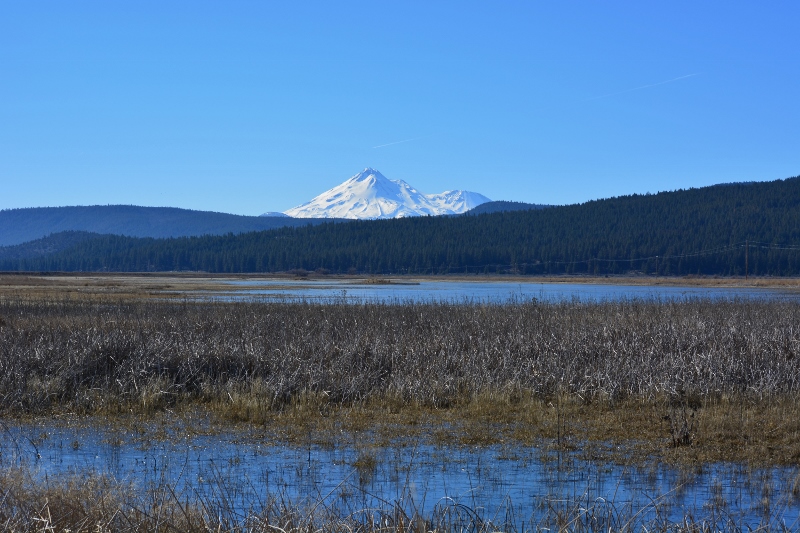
369	194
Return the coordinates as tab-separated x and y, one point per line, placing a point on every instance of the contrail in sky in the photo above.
643	87
396	142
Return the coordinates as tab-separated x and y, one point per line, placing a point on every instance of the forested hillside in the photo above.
503	205
23	225
682	232
46	245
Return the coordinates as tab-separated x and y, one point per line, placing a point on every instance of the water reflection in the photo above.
512	485
477	291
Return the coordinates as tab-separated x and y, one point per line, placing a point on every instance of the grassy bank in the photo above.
696	380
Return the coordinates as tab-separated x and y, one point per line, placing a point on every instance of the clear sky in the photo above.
246	107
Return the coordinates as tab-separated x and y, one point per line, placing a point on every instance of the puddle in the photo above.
516	485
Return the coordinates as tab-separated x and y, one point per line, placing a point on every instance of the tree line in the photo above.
710	230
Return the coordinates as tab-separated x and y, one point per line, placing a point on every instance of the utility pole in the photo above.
746	250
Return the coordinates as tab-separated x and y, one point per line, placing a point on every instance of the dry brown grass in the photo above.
696	380
630	431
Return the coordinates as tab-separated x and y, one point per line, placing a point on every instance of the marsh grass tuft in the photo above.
681	417
365	464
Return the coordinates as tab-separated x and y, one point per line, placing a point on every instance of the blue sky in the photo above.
246	107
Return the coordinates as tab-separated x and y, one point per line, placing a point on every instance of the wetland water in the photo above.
514	487
479	291
518	487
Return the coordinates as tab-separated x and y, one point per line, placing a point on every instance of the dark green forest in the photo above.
710	230
503	205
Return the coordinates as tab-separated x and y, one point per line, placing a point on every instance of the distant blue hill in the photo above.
28	224
503	205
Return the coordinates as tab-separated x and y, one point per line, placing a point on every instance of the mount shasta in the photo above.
371	195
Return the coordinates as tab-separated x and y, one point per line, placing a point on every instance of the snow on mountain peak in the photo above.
366	174
369	194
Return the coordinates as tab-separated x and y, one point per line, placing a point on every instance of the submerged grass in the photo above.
87	501
697	379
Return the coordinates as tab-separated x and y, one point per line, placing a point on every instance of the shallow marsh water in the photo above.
480	291
515	487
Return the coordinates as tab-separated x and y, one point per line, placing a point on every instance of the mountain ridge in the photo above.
25	224
715	230
371	195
